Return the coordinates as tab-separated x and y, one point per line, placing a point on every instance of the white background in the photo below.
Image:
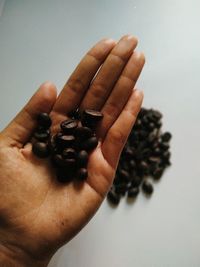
44	40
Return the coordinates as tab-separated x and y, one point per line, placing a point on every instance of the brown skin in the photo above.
37	214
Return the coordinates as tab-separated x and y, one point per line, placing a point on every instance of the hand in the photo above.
37	213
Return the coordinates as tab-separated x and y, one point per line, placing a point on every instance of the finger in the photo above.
109	73
117	135
80	79
18	132
121	92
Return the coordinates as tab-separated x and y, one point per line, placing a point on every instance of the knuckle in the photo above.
97	90
75	85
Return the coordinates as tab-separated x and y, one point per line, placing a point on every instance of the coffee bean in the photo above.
64	175
133	192
70	164
69	126
83	133
113	197
74	114
58	160
91	117
44	120
82	174
166	136
40	149
136	181
121	189
147	187
65	141
89	144
69	153
124	175
82	158
157	173
41	134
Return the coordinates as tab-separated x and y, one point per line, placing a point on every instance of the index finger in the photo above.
75	88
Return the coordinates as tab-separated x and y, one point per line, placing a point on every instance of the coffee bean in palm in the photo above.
41	134
44	120
74	114
70	164
91	117
82	174
83	133
89	144
133	192
40	149
58	160
147	187
65	141
69	153
69	126
82	158
64	175
113	197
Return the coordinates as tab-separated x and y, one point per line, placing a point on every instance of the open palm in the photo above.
37	213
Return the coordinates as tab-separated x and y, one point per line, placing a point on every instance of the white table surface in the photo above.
44	40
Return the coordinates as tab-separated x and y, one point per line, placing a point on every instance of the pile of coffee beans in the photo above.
144	157
70	147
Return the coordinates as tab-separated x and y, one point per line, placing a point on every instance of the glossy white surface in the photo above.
44	40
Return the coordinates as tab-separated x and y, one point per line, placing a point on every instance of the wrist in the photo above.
11	256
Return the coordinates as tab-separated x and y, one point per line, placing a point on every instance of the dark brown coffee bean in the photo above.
91	117
41	134
70	164
68	126
64	175
44	120
123	175
166	136
121	189
113	197
157	173
136	181
89	144
58	160
40	149
147	187
83	133
133	192
82	174
82	158
65	141
69	153
75	114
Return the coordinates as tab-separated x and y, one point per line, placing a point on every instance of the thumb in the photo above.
18	132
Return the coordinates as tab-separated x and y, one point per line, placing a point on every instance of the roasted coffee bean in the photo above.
70	164
69	153
136	181
123	175
58	160
83	133
64	175
82	174
44	120
113	197
157	173
133	192
40	149
121	189
89	144
132	164
166	136
74	114
68	126
82	158
41	134
147	187
65	141
164	146
91	117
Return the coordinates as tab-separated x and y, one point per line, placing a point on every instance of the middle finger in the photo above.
109	73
